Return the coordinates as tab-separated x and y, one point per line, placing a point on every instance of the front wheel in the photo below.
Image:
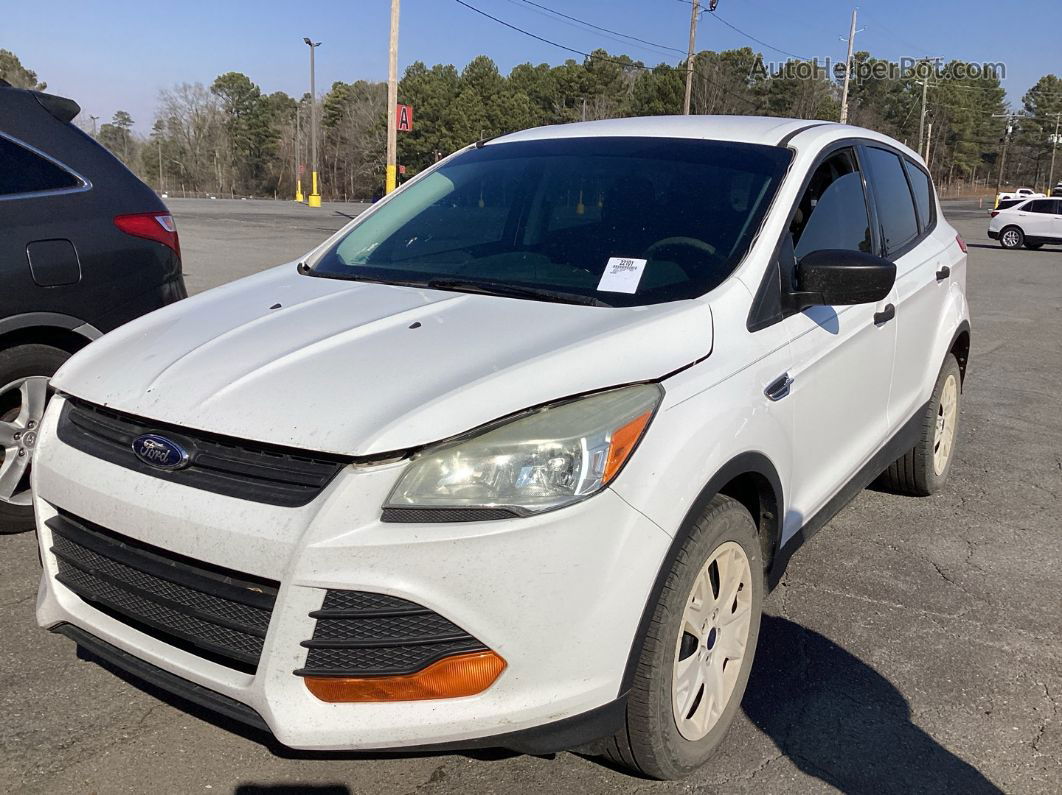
24	374
698	650
1012	237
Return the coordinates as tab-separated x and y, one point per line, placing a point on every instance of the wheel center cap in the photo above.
29	438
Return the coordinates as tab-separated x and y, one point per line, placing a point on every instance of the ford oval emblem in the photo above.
160	452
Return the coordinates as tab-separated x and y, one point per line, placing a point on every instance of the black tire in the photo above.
915	473
1033	246
1011	237
18	362
650	743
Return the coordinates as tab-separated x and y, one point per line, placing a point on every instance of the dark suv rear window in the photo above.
23	171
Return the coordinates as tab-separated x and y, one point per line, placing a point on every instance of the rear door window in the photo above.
23	171
1045	206
923	194
832	213
896	210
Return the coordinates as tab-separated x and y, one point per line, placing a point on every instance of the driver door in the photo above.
842	355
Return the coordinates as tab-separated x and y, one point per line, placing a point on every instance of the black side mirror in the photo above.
838	277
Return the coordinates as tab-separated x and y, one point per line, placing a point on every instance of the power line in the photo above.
599	28
625	64
750	36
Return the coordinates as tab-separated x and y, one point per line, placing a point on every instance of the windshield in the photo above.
615	221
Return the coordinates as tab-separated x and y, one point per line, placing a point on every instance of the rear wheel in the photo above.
1011	237
24	374
698	650
924	469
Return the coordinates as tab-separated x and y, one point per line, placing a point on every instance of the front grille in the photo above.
213	612
222	465
371	634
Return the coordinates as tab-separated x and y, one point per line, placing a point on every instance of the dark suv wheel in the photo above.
24	374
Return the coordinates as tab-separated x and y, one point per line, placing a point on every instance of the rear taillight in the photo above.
994	213
961	242
159	227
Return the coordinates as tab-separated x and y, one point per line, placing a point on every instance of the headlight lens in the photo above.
546	459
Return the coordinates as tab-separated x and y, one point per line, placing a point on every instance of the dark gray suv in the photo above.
85	246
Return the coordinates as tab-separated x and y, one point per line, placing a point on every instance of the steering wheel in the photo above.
691	243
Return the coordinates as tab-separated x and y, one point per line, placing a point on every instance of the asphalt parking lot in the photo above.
914	644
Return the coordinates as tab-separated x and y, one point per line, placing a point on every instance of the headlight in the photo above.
548	458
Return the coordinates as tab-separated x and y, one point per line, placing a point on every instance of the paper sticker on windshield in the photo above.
621	275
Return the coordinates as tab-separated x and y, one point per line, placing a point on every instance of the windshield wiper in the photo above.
514	291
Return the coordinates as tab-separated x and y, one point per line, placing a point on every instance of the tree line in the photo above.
232	139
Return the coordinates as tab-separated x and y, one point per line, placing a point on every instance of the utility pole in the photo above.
848	69
1003	153
689	56
925	95
162	188
922	118
1054	148
314	199
929	137
392	102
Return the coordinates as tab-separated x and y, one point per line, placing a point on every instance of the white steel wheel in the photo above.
18	435
711	641
696	655
947	412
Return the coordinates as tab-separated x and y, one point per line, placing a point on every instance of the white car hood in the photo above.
358	369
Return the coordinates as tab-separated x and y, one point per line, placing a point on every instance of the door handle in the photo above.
885	315
943	273
779	387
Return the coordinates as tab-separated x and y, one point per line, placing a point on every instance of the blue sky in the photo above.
111	54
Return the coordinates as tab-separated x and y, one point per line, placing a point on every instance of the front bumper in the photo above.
558	596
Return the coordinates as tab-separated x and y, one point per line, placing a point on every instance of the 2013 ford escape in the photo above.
512	459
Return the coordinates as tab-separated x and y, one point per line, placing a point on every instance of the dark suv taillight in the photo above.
159	227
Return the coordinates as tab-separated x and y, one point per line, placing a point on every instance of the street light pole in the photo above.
1054	148
314	199
391	178
298	154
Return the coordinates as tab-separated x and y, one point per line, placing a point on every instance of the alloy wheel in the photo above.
1011	239
711	641
19	427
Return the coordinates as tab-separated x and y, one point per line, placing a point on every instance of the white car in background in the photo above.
512	459
1030	223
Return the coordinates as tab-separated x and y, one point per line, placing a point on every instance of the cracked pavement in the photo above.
914	645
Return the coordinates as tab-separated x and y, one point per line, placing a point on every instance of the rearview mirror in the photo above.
838	277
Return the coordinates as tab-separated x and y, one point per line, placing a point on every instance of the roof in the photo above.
748	129
765	130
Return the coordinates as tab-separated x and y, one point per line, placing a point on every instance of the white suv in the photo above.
512	459
1030	223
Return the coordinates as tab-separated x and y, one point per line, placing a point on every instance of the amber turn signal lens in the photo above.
451	677
623	440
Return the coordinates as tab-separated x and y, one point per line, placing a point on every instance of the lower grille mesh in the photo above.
366	634
217	614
